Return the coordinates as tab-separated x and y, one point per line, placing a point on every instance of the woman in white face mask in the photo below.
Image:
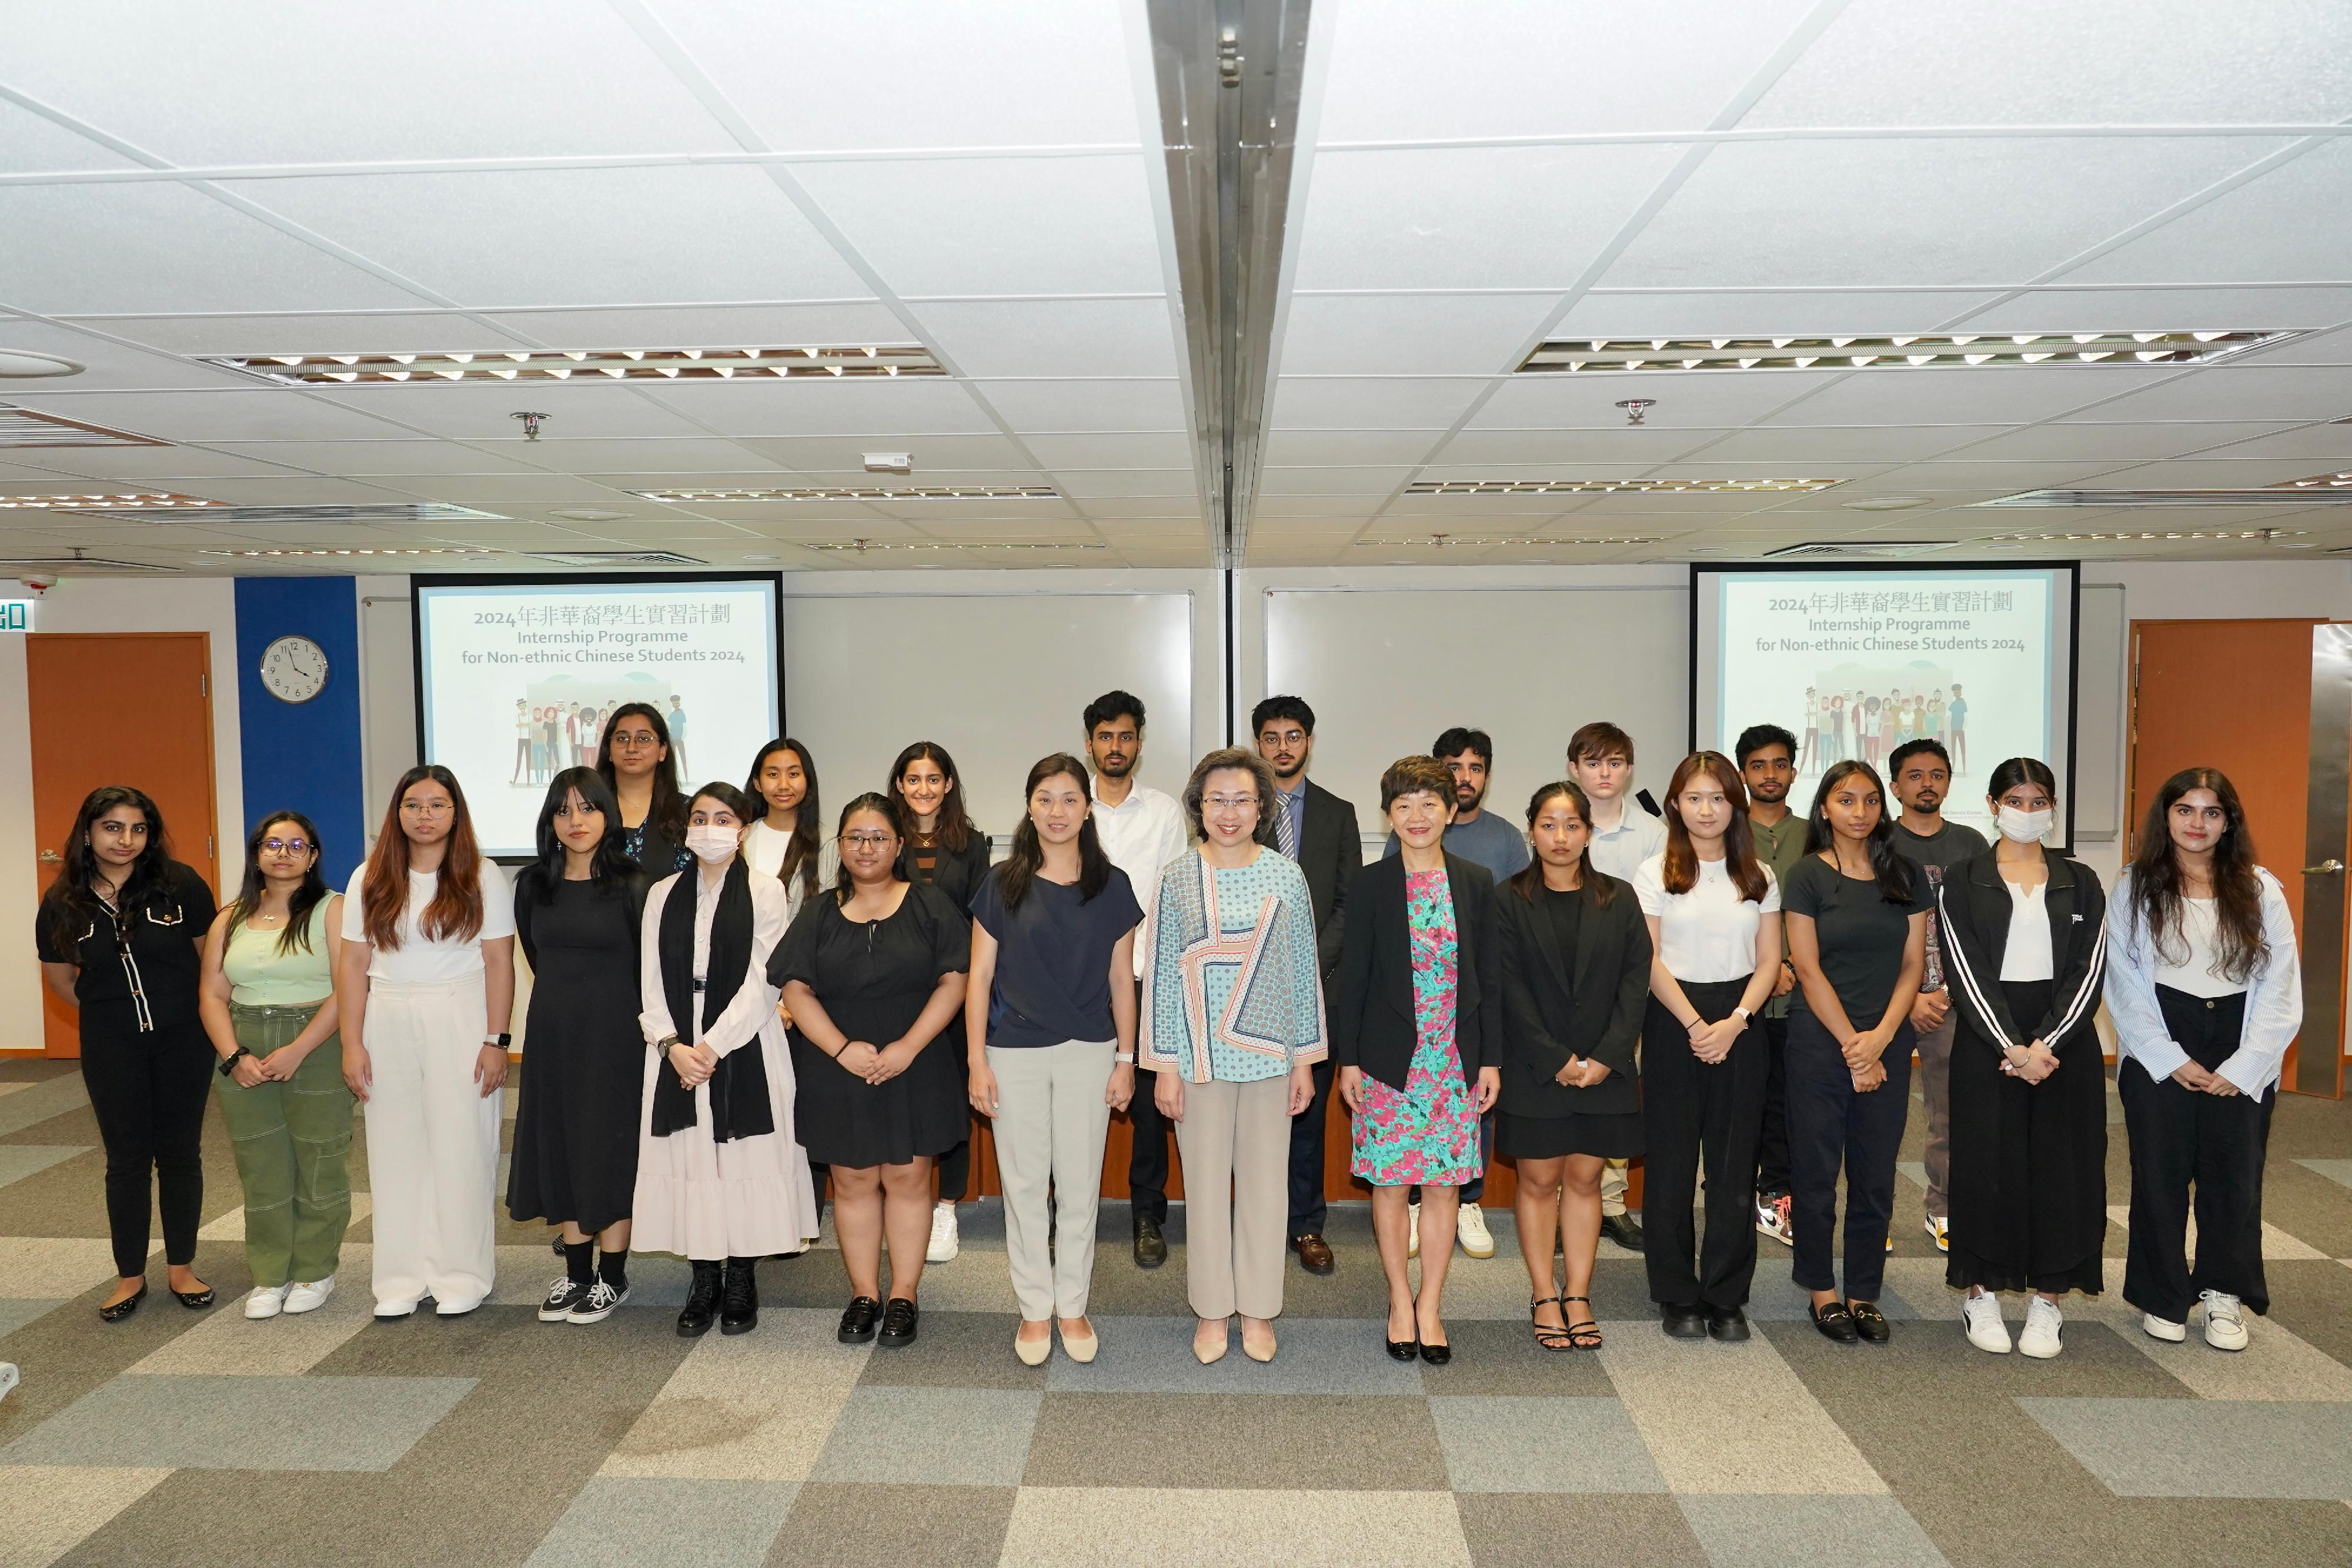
2025	949
721	1177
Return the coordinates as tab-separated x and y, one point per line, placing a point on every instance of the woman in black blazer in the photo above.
1416	1023
1573	953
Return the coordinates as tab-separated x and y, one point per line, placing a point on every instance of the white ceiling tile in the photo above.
31	143
1468	217
2315	349
1079	452
306	490
2202	308
2292	224
1457	472
389	332
257	414
153	248
1346	402
1882	211
1778	447
491	491
1697	401
1089	405
2208	473
2285	60
1553	448
110	365
366	459
485	411
1114	510
641	457
284	82
577	237
1311	507
896	407
2251	391
1737	314
1418	334
2082	440
1988	394
1372	484
1054	336
183	467
997	226
25	478
709	326
1305	448
2321	443
1949	476
1407	71
931	451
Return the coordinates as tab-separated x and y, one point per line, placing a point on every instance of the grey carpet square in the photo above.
20	1160
892	1524
1314	1355
2206	1448
16	1315
1519	1529
31	1106
1806	1532
242	1423
1542	1445
961	1350
662	1523
2337	1171
1300	1442
930	1437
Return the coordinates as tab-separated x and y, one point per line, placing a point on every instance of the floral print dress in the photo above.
1426	1133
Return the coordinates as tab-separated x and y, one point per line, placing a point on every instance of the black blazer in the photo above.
1330	851
1556	1005
1974	909
957	873
1370	1008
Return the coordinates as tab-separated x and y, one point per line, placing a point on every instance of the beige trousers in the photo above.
1050	1122
1236	1139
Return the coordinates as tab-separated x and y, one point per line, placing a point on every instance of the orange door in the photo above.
135	709
2236	695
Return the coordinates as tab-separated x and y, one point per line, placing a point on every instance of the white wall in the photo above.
387	691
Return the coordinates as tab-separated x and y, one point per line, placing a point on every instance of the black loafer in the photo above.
124	1308
1150	1247
1836	1322
1729	1324
900	1319
1870	1323
1436	1354
1682	1322
859	1320
1623	1229
1401	1349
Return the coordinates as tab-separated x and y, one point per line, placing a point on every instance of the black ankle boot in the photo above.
701	1307
739	1306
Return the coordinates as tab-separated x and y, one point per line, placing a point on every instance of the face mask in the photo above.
2024	827
711	844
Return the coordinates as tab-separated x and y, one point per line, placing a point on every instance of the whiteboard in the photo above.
1386	670
998	679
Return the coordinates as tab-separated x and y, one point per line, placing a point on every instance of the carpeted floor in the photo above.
198	1438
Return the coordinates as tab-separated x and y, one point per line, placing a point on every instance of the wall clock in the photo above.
294	669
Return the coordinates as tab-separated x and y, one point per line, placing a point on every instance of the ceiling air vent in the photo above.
217	517
611	558
24	427
1843	550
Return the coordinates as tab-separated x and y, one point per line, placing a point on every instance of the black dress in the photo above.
575	1137
1576	977
874	978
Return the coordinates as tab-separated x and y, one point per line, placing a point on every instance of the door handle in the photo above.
2330	867
51	857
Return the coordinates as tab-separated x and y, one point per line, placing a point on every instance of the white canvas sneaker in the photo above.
2225	1324
1470	1230
308	1298
265	1303
1980	1316
945	1242
2043	1322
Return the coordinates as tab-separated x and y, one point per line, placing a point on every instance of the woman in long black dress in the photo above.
873	973
575	1137
2024	942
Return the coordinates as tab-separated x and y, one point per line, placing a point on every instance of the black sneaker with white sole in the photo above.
561	1297
598	1304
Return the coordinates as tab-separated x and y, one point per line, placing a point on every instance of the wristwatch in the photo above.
228	1064
1742	1014
500	1040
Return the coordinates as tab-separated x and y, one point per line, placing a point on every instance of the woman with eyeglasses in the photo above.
269	1004
637	768
874	976
119	934
1233	1026
423	987
575	1136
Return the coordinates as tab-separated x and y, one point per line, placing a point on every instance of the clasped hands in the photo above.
2204	1080
1711	1042
2032	1063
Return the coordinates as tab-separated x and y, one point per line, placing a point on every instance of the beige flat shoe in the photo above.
1033	1352
1080	1349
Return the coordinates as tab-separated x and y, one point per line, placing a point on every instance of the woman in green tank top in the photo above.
268	1003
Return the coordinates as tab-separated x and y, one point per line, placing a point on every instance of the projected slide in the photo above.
1855	662
516	680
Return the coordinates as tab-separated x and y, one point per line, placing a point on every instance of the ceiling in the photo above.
991	182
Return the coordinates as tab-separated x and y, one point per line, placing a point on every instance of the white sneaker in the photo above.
1470	1230
2165	1329
1939	1231
265	1303
945	1243
2043	1322
308	1298
2225	1325
1772	1219
9	1377
1412	1230
1980	1316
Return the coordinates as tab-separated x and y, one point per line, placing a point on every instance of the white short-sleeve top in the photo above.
1706	935
417	961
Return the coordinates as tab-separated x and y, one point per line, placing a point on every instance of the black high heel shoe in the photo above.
125	1307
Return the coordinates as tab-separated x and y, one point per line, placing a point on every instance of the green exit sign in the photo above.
16	615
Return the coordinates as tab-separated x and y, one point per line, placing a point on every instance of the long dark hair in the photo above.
1894	872
882	806
456	907
313	892
1529	878
72	902
1738	846
2015	771
667	810
2237	892
801	854
954	828
1020	868
610	867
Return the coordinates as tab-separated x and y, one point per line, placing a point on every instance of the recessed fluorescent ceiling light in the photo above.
452	549
24	427
1607	487
860	547
2272	497
2317	482
2145	537
1954	350
862	493
588	364
155	500
396	512
1447	542
1842	547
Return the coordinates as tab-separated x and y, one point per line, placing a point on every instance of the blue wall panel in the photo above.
301	756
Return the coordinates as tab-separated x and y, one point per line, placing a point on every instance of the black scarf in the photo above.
738	1089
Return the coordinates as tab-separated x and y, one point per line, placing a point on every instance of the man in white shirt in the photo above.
1142	829
1601	760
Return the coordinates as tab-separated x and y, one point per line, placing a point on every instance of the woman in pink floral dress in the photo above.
1415	1017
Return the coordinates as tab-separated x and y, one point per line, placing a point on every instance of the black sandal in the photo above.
1585	1335
1548	1338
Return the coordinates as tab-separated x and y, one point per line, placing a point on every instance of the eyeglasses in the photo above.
426	808
286	846
865	841
1230	802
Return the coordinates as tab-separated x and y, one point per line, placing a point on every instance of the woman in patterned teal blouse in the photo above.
1233	1025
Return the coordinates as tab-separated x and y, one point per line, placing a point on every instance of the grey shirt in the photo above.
1489	842
1936	854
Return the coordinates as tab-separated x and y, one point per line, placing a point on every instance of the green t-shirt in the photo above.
1779	846
1860	933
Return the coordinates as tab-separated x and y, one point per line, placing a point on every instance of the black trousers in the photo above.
147	1093
1831	1125
1147	1155
1307	1210
1772	1136
1692	1110
2183	1138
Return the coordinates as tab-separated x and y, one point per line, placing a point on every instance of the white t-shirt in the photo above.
1709	934
2027	955
417	961
2201	932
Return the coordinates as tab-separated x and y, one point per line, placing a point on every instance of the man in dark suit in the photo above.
1318	829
